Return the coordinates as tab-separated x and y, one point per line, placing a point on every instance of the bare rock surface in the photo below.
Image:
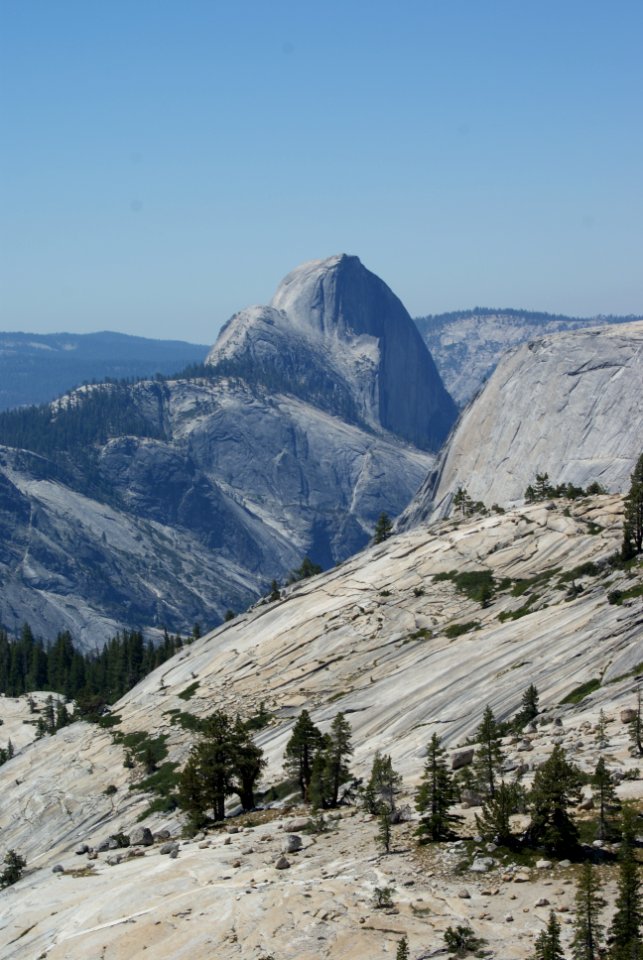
368	638
570	405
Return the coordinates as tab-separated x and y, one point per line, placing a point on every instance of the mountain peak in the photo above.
336	335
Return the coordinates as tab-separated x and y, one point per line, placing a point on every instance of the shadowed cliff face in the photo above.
336	332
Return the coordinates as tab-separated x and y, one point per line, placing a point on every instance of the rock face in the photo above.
161	504
467	345
570	405
369	639
334	332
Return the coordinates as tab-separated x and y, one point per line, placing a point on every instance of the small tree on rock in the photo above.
383	528
633	517
436	795
304	744
489	756
14	865
556	787
626	929
605	797
587	929
383	786
548	946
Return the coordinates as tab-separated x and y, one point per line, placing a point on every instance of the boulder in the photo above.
282	863
462	758
169	847
627	715
291	843
141	837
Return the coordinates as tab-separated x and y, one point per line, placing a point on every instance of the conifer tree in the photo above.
383	528
305	742
436	794
605	797
488	756
384	829
529	707
626	930
587	929
402	952
636	725
548	946
494	823
556	787
383	786
633	516
14	865
337	751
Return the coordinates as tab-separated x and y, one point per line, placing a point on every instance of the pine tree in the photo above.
383	786
304	744
402	952
636	725
14	866
627	922
383	528
587	929
436	794
633	516
337	751
529	707
384	829
548	946
605	797
556	787
494	823
489	756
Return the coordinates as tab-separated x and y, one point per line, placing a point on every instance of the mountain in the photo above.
570	405
334	333
162	503
467	344
37	368
377	639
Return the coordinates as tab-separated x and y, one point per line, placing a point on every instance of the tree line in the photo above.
26	664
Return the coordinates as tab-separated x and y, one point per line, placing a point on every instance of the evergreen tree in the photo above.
627	923
383	786
548	946
436	794
338	749
633	517
383	528
587	929
528	708
249	763
402	952
14	865
488	756
636	725
605	798
304	744
556	787
384	829
494	823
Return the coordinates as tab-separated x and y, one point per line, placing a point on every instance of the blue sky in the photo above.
164	163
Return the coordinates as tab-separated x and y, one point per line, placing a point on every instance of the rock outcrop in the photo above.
570	405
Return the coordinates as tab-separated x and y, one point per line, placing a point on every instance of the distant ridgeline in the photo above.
27	664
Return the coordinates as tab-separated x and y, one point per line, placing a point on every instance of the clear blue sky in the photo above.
164	163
